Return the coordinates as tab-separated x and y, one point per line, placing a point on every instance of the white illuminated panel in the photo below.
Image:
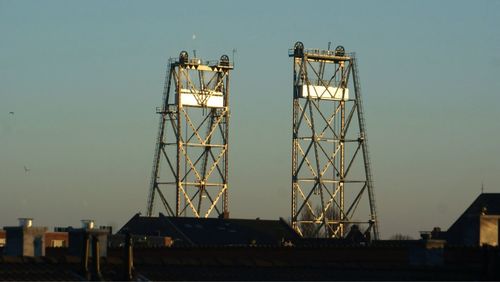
210	99
321	92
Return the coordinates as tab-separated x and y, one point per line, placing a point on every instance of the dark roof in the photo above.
36	268
212	231
149	226
465	230
489	201
381	263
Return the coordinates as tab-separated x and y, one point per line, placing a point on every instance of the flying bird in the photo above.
26	169
11	113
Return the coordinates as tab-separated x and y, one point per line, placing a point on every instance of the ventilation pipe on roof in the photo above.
129	258
96	259
85	256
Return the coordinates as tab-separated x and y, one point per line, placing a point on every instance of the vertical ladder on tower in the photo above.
156	161
366	155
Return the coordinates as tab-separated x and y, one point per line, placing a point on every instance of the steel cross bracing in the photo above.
332	186
190	168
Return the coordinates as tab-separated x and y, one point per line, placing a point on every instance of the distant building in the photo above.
25	239
219	249
52	239
2	238
478	225
80	237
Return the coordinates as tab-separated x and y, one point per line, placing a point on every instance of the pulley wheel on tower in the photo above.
183	57
298	49
224	60
340	51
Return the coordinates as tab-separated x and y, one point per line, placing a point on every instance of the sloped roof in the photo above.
150	226
489	201
212	231
463	230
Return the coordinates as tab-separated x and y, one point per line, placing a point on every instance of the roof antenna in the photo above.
234	51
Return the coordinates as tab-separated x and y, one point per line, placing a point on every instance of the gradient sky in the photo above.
83	79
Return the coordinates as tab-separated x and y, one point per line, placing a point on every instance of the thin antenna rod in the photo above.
234	51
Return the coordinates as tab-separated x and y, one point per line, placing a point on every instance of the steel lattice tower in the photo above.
332	187
190	169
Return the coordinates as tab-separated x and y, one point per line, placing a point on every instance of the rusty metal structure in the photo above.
332	185
190	168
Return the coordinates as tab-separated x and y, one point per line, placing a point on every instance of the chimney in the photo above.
77	236
25	239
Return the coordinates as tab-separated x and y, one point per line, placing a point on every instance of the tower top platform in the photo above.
339	54
196	63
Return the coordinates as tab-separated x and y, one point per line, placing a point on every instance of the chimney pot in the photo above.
88	223
25	222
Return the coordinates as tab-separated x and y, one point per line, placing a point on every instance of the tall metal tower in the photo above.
331	175
190	169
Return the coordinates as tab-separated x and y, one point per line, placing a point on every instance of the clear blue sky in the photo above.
84	78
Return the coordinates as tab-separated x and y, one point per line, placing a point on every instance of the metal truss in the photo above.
190	168
332	187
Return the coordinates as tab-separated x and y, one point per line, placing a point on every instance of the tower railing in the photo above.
366	153
156	163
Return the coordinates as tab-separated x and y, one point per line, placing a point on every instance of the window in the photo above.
58	243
